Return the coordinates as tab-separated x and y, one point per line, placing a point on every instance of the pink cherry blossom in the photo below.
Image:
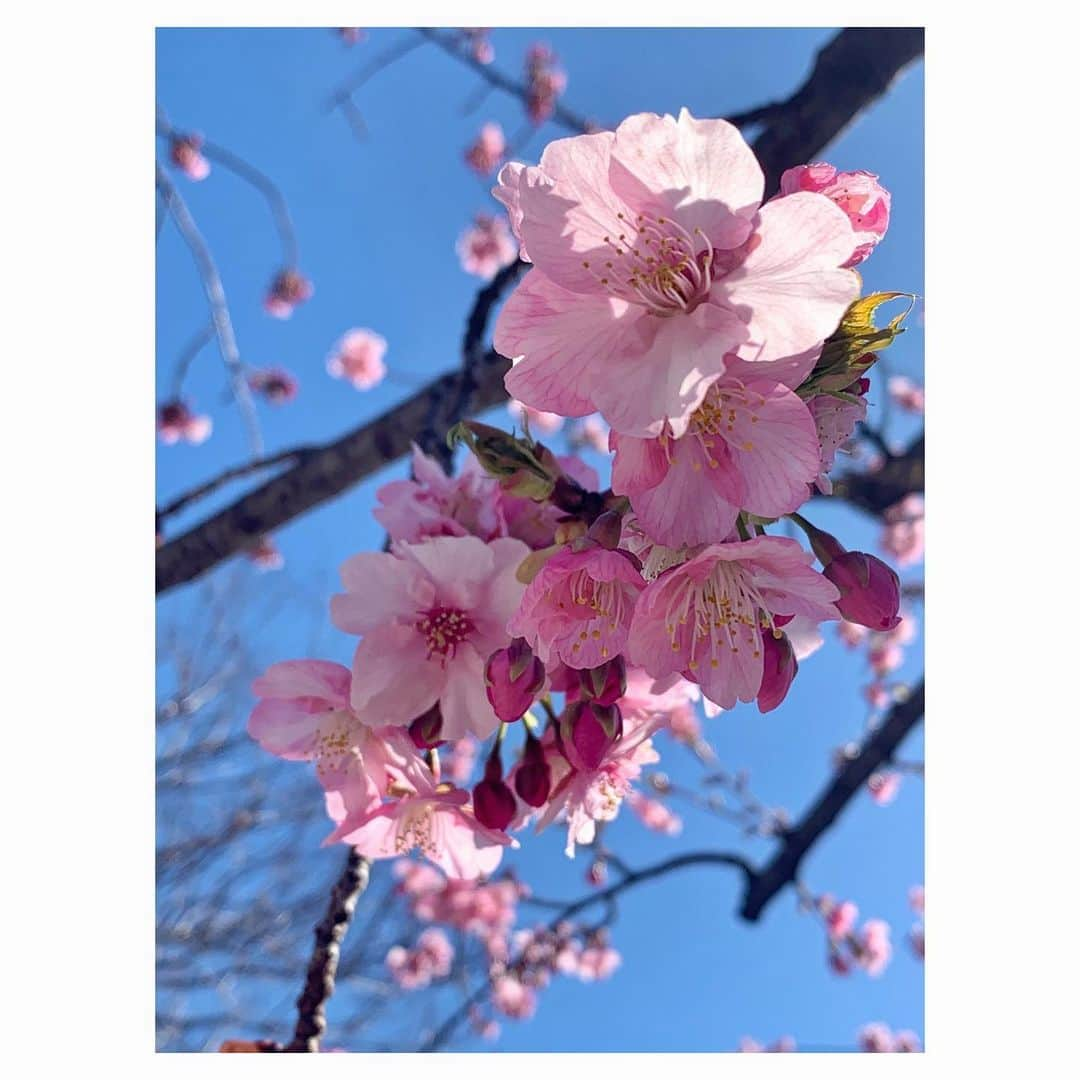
653	263
546	422
835	419
875	949
904	535
704	619
358	357
434	504
512	998
586	797
851	634
486	246
430	615
749	446
654	814
351	35
877	695
431	958
597	961
433	818
878	1038
859	194
544	82
185	152
304	715
457	766
480	47
840	919
907	394
884	787
277	385
484	155
578	608
917	899
176	421
287	291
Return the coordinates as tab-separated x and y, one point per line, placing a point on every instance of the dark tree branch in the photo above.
875	492
875	752
851	72
319	985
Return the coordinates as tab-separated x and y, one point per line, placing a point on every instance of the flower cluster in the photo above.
867	947
524	624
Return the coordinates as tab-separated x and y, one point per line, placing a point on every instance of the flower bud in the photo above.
493	802
527	470
512	678
869	590
606	530
586	732
607	683
532	780
780	669
426	730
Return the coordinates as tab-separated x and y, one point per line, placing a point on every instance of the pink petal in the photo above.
792	285
393	679
700	172
304	678
563	337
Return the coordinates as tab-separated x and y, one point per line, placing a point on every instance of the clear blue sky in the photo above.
377	221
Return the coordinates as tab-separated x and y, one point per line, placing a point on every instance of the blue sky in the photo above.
377	221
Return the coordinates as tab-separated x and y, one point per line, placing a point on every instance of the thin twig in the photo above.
219	308
401	47
279	208
191	350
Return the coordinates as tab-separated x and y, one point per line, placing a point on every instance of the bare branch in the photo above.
219	308
311	1005
876	751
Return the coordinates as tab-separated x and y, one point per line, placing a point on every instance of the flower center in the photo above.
415	830
444	629
718	414
657	264
725	611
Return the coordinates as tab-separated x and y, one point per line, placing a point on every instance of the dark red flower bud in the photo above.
869	590
586	732
494	804
512	678
607	683
532	780
780	669
426	730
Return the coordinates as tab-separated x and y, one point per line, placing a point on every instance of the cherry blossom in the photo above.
431	958
907	394
434	504
358	357
484	155
185	152
176	421
486	246
653	264
430	615
858	194
287	291
578	608
749	446
704	619
904	537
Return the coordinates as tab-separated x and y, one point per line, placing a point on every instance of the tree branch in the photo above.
851	72
311	1005
876	751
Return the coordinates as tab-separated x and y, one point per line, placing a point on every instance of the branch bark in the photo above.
319	985
851	72
764	884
